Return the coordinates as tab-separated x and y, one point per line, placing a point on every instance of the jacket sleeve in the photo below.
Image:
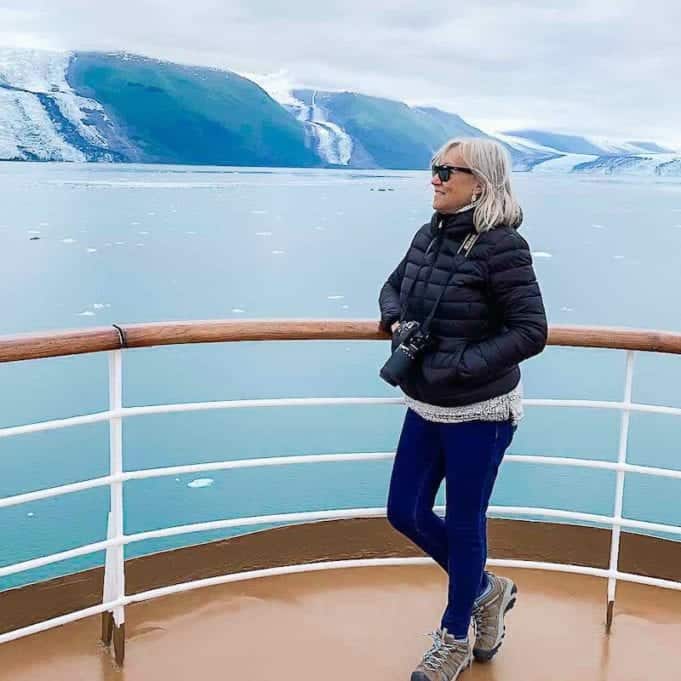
389	298
515	294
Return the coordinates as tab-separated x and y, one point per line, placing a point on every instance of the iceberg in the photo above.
200	482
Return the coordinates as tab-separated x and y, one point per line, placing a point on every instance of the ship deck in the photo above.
362	623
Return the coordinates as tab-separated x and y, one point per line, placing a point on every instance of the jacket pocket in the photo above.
442	366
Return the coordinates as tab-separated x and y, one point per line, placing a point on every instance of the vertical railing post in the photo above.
113	623
619	490
107	617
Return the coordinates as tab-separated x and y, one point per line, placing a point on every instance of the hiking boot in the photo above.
488	614
445	660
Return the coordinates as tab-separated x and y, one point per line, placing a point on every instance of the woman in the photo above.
470	270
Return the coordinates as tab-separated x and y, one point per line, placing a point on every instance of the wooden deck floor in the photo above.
363	624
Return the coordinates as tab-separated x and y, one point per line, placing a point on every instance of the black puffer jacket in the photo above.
490	318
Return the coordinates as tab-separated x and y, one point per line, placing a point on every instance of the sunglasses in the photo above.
445	172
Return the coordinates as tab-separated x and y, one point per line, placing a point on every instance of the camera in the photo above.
412	343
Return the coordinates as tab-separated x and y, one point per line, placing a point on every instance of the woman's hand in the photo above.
395	329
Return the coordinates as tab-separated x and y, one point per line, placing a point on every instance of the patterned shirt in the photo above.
501	408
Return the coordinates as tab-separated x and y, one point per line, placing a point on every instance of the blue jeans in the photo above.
467	456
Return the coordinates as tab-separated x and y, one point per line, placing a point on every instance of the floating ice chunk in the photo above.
201	482
139	245
91	250
190	232
346	307
263	234
598	226
134	223
152	213
86	313
143	233
68	240
319	228
238	310
278	252
120	243
98	306
258	212
335	297
37	231
618	257
541	254
567	309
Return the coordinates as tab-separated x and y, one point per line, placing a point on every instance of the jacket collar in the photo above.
454	225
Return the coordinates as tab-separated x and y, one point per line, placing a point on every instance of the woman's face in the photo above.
458	191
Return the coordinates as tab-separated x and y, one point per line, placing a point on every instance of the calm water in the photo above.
134	244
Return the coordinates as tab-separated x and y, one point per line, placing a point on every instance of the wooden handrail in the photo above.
62	343
57	343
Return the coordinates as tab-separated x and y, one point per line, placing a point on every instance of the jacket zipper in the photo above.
440	238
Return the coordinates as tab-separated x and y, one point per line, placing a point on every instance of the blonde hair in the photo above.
491	166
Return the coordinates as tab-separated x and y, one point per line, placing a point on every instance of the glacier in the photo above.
333	143
329	140
586	145
41	117
664	165
614	158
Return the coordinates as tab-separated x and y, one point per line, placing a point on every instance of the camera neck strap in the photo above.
465	248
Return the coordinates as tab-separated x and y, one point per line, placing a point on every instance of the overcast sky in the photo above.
606	67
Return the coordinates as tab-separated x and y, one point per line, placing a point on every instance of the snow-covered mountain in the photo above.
661	165
597	155
362	131
64	106
41	117
588	146
78	106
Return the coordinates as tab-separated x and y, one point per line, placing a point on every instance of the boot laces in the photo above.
441	650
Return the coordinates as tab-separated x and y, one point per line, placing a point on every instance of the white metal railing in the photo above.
114	597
